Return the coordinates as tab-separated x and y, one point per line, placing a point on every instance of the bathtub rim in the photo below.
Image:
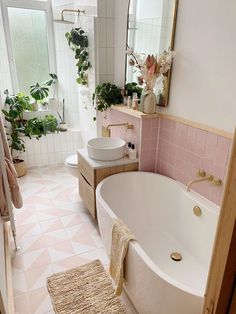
213	208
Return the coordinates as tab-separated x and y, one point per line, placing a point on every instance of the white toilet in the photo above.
72	165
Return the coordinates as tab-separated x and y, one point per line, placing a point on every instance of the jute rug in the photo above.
86	289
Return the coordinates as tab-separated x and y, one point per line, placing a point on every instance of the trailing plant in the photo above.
34	127
78	42
106	95
38	127
131	88
50	124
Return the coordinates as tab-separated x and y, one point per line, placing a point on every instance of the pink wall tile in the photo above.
148	144
132	135
175	150
182	150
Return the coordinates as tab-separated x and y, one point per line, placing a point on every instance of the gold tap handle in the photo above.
217	182
201	173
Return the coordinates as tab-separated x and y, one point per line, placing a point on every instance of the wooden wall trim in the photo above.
7	248
140	115
197	125
223	240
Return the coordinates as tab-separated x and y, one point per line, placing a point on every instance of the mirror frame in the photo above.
172	42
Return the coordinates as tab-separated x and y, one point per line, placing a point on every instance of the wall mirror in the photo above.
151	30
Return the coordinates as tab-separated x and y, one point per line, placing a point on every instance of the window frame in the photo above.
45	6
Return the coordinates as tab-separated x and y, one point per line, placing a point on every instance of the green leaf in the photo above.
39	92
5	112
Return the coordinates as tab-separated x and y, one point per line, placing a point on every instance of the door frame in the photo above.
220	291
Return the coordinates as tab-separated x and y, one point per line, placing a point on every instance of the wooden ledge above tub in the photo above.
134	113
163	115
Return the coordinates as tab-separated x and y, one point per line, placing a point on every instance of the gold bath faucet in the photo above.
204	177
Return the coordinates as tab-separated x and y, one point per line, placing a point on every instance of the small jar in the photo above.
129	102
135	101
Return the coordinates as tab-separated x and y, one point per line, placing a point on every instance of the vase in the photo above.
148	101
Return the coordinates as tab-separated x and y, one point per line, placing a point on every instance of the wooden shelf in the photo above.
134	113
163	115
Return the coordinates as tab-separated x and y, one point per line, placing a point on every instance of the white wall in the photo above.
51	149
121	11
5	78
203	80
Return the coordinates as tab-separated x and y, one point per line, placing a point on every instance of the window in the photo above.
29	36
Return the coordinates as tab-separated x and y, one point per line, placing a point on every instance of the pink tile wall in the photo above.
149	144
182	150
175	150
131	135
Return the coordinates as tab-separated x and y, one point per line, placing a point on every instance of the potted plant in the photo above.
131	88
78	42
40	92
50	124
106	95
17	105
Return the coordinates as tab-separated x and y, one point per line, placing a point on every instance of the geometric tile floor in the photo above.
54	231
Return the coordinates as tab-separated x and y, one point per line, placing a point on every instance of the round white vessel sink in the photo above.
106	148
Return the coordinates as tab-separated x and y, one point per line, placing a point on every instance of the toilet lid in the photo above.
72	160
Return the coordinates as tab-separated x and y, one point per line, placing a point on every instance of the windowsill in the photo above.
134	113
40	110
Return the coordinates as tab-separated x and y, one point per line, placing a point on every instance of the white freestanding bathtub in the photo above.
159	212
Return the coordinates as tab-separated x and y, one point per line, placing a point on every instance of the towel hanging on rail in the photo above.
11	176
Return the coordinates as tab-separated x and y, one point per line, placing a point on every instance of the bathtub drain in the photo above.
176	256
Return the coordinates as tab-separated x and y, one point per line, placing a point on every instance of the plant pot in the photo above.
35	106
20	167
63	127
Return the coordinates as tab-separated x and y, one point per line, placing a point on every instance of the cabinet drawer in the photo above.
86	170
87	194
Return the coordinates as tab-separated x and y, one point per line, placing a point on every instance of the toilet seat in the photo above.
72	161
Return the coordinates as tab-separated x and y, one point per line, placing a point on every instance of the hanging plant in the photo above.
106	95
78	42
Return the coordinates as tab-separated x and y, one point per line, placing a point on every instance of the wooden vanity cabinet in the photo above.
89	178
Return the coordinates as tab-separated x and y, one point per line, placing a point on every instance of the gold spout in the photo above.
206	178
126	125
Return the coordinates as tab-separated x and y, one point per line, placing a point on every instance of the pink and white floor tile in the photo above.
54	231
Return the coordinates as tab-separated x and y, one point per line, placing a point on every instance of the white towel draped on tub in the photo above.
11	176
121	236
